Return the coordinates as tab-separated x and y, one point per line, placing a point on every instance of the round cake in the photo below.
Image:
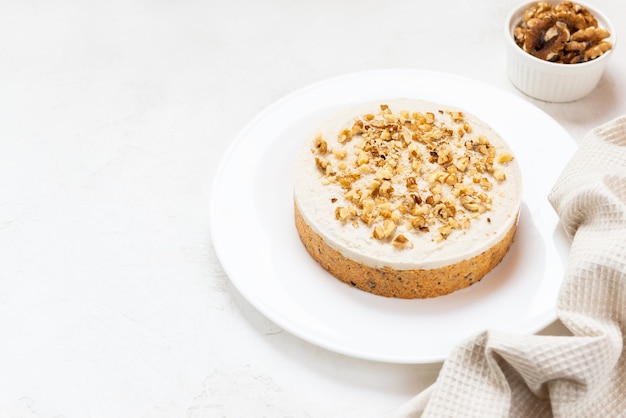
407	198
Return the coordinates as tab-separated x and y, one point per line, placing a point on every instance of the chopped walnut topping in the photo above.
321	147
505	158
410	173
345	135
341	213
400	241
499	175
384	230
321	163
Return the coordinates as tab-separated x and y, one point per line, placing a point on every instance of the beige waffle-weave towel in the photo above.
497	374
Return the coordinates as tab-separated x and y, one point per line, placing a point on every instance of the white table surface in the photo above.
113	117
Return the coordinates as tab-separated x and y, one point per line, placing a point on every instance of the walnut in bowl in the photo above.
557	50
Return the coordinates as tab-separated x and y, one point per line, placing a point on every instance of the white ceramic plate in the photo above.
256	241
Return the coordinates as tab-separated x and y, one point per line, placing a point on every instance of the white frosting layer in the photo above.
315	202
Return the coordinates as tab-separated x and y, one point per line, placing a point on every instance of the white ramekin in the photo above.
549	81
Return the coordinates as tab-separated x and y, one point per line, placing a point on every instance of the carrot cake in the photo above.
407	198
